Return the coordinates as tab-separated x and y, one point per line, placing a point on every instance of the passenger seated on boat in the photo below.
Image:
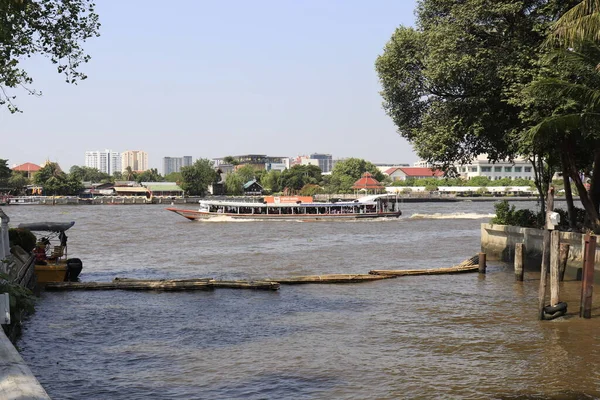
40	253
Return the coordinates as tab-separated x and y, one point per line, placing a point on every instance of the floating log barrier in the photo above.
127	285
162	285
331	278
470	265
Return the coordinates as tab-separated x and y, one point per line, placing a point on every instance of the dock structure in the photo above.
331	278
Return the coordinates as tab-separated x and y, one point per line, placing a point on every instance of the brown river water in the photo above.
445	337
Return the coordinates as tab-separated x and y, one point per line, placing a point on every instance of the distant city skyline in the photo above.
220	78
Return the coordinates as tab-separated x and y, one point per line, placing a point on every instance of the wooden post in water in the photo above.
554	267
587	282
545	256
482	263
564	256
519	272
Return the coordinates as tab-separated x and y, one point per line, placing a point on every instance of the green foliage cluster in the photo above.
508	215
197	177
483	181
51	28
22	301
23	238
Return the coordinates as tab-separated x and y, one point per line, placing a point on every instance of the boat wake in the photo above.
452	216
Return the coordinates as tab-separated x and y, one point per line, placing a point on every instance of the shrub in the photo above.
22	303
23	238
508	215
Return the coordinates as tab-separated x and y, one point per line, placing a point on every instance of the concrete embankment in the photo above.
498	242
16	380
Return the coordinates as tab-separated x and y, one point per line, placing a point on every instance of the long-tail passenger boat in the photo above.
375	206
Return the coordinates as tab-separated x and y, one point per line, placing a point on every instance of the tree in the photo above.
5	173
197	177
355	167
447	84
297	176
150	175
17	182
271	181
234	184
580	23
51	28
55	181
88	174
173	177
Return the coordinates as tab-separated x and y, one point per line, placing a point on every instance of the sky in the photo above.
216	78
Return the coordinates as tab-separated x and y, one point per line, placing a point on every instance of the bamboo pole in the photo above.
554	267
162	285
545	256
564	256
469	265
519	271
587	284
331	278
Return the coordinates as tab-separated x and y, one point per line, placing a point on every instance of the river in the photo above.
448	337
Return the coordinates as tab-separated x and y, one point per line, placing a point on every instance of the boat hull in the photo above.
194	215
50	273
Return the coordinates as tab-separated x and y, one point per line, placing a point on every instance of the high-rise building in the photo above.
325	161
174	164
106	161
137	160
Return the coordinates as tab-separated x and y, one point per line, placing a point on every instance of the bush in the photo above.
23	238
507	215
22	303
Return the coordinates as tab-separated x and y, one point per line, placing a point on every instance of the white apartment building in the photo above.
106	161
136	159
482	166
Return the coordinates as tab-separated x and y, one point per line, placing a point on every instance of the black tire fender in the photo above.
562	306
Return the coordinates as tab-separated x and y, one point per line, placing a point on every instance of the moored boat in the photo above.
375	206
24	200
51	258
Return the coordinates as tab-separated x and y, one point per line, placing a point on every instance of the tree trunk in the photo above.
539	182
595	182
584	196
568	193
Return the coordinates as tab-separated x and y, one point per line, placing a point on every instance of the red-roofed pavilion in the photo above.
368	183
28	168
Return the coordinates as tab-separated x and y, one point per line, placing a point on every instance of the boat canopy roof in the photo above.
279	205
47	226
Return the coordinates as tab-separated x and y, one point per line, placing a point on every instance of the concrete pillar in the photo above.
4	242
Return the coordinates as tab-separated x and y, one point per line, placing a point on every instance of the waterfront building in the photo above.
106	161
382	167
174	164
137	160
325	161
28	169
404	173
258	161
482	166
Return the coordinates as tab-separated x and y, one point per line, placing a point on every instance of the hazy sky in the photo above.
217	78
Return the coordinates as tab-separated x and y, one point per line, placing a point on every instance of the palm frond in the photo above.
554	127
587	97
581	22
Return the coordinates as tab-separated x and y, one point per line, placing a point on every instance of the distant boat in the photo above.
24	200
375	206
